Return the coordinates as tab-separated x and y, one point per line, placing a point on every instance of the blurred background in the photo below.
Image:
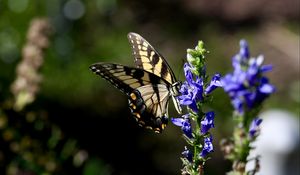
57	117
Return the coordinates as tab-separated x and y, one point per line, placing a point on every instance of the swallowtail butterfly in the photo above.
148	86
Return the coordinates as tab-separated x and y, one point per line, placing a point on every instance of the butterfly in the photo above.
148	86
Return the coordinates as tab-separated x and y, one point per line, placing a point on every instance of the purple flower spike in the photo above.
194	94
208	122
254	127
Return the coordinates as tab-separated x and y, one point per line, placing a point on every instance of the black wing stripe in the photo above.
146	57
104	70
125	78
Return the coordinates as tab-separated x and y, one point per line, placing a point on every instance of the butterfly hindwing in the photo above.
148	94
147	58
148	104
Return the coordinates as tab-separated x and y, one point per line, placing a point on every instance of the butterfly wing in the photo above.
147	58
148	94
149	105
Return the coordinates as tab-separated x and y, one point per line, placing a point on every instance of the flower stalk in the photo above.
28	78
196	123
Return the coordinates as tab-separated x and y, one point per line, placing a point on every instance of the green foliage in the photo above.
95	166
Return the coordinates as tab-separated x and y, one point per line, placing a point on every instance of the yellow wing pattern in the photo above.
147	58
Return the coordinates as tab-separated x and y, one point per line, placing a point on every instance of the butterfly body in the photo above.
149	86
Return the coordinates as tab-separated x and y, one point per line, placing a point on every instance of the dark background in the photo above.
77	115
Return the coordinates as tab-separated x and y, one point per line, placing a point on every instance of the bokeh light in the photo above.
74	9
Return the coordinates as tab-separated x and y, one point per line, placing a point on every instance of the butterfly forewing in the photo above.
147	58
125	78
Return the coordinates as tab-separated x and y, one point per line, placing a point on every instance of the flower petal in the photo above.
214	83
267	88
208	147
177	121
254	127
207	122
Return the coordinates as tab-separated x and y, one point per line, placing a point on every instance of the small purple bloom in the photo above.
207	122
242	56
191	90
208	147
263	91
265	87
214	83
188	96
187	154
198	88
185	124
254	127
